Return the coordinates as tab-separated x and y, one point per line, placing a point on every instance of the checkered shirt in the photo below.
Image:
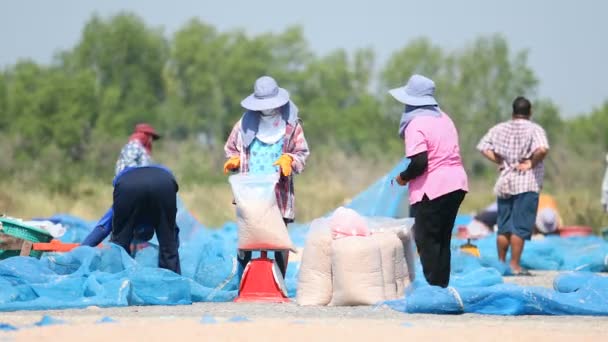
515	141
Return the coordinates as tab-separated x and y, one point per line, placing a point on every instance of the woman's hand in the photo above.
284	162
400	180
232	164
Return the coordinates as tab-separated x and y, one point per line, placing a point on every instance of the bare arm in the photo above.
492	156
538	156
486	147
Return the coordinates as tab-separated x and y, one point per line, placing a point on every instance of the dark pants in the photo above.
147	196
517	214
278	257
433	232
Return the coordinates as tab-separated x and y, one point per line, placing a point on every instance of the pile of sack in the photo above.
353	260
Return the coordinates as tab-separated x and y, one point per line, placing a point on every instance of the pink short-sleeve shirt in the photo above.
445	173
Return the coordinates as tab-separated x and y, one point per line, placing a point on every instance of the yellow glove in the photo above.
284	162
232	164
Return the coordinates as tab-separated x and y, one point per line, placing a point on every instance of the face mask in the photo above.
268	112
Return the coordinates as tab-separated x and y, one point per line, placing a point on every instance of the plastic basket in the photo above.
21	231
7	254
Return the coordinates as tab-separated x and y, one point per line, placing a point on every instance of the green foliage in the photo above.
67	120
475	85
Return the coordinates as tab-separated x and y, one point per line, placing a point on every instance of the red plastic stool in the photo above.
261	280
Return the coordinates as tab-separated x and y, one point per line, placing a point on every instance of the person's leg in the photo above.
524	219
504	223
127	207
502	244
163	189
428	238
282	257
517	248
244	257
449	205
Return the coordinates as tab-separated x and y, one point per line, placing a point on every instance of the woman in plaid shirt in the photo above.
269	138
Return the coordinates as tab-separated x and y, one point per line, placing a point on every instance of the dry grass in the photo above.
326	184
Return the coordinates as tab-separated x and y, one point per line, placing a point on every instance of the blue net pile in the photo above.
108	276
475	288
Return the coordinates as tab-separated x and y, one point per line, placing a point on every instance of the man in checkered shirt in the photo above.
518	147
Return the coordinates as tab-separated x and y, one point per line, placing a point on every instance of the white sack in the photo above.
357	271
258	216
314	279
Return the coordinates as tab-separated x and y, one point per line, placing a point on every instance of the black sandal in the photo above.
523	273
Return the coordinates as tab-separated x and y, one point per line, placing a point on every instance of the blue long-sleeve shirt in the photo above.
103	228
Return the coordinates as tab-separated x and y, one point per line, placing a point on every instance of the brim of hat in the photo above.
402	96
156	136
253	103
546	224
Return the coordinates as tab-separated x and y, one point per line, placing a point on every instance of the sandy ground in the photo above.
288	321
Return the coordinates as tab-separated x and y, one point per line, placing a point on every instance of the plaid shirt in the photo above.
516	140
132	154
294	145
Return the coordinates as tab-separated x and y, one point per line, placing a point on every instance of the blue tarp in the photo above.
110	277
477	289
589	253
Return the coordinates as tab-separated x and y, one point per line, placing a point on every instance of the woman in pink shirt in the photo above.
437	180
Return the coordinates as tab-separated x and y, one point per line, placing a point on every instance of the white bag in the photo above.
404	229
393	263
409	251
314	280
258	216
356	271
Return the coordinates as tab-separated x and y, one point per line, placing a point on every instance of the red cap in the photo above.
147	129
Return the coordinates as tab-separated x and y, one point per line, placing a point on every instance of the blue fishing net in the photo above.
477	289
588	253
108	276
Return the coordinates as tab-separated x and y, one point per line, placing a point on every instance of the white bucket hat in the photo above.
546	221
419	91
266	95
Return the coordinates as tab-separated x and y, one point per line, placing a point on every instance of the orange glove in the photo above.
284	162
232	164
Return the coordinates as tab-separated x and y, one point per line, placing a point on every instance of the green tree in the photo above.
127	59
475	85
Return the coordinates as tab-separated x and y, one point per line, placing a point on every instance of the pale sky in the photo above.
566	39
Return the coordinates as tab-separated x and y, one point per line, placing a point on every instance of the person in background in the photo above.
518	147
483	222
145	203
604	199
437	179
137	152
548	219
269	138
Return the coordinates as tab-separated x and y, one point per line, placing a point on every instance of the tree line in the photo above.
67	119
